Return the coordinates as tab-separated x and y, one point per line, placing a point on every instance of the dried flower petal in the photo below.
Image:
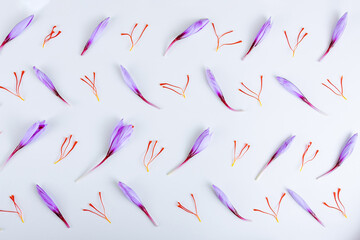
96	34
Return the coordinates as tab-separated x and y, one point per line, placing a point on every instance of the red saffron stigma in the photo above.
303	162
98	213
219	37
298	40
17	86
17	208
337	195
152	157
255	95
241	154
63	153
274	214
131	35
339	92
170	87
51	36
188	211
92	85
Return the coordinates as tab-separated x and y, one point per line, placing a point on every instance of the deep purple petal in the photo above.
339	28
17	30
96	34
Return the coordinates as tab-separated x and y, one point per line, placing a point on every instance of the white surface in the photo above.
180	121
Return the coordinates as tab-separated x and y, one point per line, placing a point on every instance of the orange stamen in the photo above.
298	41
63	153
188	211
255	95
219	37
98	213
51	36
131	35
274	214
241	154
17	86
170	87
92	85
17	208
337	198
303	162
152	157
339	92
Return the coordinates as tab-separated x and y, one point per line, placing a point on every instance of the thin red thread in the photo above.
171	87
252	93
241	153
17	86
337	198
340	92
63	153
91	83
298	40
303	162
152	157
222	35
274	214
131	35
189	211
50	36
98	213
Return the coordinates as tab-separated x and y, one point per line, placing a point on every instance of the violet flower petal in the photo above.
133	197
345	153
48	83
303	204
121	134
284	146
131	84
338	31
50	204
225	200
192	29
96	34
31	134
200	144
216	89
17	30
260	36
291	88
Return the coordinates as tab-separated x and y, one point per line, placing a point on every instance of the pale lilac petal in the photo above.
192	29
50	204
17	30
48	83
96	34
301	202
225	200
133	197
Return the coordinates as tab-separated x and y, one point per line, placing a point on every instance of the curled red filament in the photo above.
17	209
97	212
173	87
222	35
51	36
298	40
274	214
303	162
241	153
17	86
92	85
152	157
337	198
252	93
131	35
188	211
63	153
339	92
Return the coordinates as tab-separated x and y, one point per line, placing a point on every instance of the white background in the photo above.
180	121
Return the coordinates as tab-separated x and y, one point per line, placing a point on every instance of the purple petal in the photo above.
303	204
260	36
338	31
131	84
291	88
345	153
200	144
284	146
96	34
133	197
48	83
224	199
216	88
50	204
192	29
17	30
